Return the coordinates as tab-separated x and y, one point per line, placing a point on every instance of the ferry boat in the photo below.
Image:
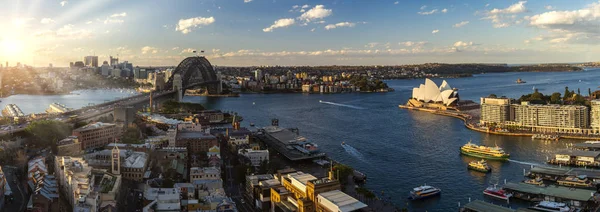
493	153
576	181
480	166
423	192
519	81
551	206
499	193
535	181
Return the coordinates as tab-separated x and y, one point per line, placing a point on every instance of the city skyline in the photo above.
260	32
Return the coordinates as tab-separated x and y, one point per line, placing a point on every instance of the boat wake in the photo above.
524	163
352	151
342	105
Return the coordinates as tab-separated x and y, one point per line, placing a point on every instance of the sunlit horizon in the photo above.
308	32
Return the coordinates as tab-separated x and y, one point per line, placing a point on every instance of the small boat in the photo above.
320	100
423	192
551	206
519	81
480	166
536	181
343	143
592	142
252	124
499	193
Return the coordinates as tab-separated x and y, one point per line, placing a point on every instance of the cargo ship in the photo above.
492	153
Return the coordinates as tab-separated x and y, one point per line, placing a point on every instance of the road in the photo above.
19	191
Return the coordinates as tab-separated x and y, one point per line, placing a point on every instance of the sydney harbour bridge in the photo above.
191	72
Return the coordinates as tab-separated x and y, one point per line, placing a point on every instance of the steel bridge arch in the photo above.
188	67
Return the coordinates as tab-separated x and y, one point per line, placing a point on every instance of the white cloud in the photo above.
503	17
413	43
89	22
63	3
341	24
246	1
186	25
317	12
188	50
305	6
549	7
423	7
46	21
115	18
295	6
284	22
313	29
149	49
68	31
175	48
444	10
461	24
397	2
428	12
462	44
435	31
371	45
487	5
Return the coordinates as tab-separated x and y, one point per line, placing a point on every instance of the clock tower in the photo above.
116	160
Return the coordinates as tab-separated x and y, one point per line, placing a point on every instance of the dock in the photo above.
553	173
587	146
528	192
288	143
578	158
481	206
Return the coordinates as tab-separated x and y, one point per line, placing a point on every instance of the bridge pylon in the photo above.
178	87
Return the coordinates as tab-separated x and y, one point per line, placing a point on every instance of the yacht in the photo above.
499	193
551	206
423	192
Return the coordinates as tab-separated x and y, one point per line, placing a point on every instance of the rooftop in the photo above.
578	153
342	201
283	135
554	191
68	140
94	126
194	135
482	206
302	177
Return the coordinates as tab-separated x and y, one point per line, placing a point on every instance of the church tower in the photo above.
116	160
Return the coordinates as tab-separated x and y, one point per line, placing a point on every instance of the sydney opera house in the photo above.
431	96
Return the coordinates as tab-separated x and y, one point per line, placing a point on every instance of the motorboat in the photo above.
495	192
551	206
423	192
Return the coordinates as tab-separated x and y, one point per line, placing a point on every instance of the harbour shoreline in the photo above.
469	124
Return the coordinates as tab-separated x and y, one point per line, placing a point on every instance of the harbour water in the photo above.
398	149
401	149
76	99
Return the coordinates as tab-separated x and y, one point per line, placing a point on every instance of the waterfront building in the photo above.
595	114
96	135
12	110
573	197
204	173
303	190
495	110
550	118
57	108
337	201
196	141
432	96
69	146
172	158
256	157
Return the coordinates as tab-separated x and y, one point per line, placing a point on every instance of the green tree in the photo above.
555	98
131	135
47	133
578	91
536	95
589	92
492	96
341	172
567	94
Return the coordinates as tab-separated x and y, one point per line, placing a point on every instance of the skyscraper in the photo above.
91	61
114	61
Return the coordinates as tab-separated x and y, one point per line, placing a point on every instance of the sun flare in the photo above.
11	47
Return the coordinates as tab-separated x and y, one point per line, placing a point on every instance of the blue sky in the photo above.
300	32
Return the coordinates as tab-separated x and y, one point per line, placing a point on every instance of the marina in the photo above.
581	198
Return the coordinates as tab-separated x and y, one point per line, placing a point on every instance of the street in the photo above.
18	190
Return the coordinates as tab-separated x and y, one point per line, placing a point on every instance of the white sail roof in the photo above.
430	92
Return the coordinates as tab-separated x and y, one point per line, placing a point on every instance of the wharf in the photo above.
284	141
587	146
481	206
552	173
536	193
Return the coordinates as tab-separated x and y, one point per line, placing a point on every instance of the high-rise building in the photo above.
258	75
595	114
495	110
553	116
91	61
113	61
106	69
96	135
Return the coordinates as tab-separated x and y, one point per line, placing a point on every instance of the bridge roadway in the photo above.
96	110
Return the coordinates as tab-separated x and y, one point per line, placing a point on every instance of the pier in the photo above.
288	143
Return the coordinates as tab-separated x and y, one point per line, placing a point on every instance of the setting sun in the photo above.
12	47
